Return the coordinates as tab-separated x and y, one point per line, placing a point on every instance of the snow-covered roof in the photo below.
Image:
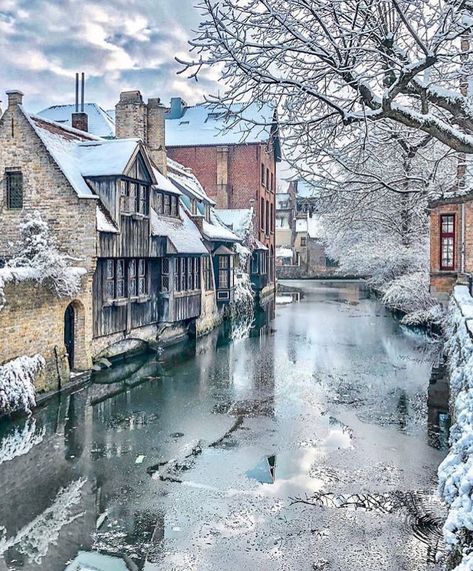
284	253
185	178
239	220
104	222
216	230
183	234
99	121
164	183
105	157
204	125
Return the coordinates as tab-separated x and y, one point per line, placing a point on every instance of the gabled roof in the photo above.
182	234
216	231
204	125
100	122
80	155
163	183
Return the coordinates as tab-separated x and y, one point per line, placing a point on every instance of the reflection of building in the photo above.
438	410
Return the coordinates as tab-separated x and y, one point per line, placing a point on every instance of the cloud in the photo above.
119	44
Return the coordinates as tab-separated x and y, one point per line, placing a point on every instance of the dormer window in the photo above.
193	206
167	204
207	212
134	198
14	189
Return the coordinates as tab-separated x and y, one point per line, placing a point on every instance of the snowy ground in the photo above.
203	466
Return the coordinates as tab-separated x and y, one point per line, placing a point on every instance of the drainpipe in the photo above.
462	268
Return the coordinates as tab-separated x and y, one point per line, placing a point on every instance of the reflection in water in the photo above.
306	401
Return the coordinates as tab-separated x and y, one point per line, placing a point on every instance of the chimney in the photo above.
178	106
131	116
15	98
155	138
80	120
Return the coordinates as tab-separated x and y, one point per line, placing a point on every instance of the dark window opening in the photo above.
126	278
14	183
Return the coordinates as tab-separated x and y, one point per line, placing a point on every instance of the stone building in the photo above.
235	164
145	266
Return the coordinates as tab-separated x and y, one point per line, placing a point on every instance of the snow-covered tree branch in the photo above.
331	65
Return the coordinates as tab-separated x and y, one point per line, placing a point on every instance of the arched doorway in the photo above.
69	333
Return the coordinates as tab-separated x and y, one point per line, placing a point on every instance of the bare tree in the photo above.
333	66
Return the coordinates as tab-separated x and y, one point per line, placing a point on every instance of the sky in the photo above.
119	44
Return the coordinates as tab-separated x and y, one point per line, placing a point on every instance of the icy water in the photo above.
312	443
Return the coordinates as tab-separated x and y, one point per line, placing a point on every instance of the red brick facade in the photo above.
442	280
233	176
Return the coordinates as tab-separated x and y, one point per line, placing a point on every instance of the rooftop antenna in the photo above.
82	93
77	93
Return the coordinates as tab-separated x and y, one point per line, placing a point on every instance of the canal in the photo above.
309	441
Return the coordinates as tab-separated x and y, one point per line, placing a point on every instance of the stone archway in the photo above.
74	335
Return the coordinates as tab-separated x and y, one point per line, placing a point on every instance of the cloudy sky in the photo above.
119	44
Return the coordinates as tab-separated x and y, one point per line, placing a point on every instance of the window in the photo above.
271	220
224	272
196	273
261	214
303	241
263	263
165	274
159	203
272	182
120	279
267	217
110	279
207	273
174	206
167	204
177	275
134	197
447	242
125	278
255	263
267	178
14	183
132	281
262	174
193	206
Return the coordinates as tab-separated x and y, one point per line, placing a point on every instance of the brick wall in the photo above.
242	173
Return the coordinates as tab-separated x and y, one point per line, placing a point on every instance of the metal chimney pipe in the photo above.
82	93
77	93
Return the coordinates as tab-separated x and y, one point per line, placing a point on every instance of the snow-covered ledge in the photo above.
456	471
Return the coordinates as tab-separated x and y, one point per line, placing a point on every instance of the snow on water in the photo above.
33	540
17	391
456	471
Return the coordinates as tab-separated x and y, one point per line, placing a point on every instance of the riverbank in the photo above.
456	472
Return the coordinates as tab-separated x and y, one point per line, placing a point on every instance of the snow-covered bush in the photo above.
456	471
409	294
37	255
17	390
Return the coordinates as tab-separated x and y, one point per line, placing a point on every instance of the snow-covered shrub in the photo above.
17	390
409	294
38	256
456	471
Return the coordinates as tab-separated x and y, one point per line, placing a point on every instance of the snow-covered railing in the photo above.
456	471
17	389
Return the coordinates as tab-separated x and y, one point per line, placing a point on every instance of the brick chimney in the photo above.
156	133
80	121
15	98
146	121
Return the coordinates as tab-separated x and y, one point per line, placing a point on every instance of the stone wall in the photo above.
32	322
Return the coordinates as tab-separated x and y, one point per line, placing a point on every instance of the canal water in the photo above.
308	439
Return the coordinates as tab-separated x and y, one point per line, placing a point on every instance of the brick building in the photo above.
451	241
235	164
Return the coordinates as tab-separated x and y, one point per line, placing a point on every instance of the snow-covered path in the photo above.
305	446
